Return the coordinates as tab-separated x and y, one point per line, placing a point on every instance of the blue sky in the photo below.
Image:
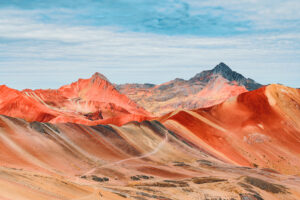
48	43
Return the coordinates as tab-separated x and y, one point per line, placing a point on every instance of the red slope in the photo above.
87	101
260	127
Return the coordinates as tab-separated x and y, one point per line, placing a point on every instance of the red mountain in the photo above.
87	101
245	148
257	128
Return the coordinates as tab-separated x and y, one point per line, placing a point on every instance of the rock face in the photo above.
257	128
87	101
204	89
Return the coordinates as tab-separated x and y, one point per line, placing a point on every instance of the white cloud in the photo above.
63	53
263	14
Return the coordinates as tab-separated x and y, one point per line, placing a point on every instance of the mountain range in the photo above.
87	101
204	89
217	135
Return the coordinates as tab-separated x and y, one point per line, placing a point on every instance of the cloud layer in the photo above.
146	41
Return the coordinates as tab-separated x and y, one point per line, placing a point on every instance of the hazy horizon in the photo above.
89	75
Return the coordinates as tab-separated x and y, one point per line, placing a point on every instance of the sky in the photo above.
49	43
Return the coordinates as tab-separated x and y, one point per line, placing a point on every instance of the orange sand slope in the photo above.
258	128
87	101
136	161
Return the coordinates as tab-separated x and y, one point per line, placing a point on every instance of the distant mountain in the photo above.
87	101
97	101
204	89
232	76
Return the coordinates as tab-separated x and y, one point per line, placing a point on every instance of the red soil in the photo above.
260	127
87	101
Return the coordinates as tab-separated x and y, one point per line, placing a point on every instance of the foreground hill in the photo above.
136	161
204	89
260	128
87	101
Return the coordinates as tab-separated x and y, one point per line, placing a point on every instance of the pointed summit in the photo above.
227	73
98	76
222	68
205	76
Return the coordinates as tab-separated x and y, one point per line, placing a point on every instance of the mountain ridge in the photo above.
88	101
206	88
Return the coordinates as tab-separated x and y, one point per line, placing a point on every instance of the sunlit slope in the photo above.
88	101
77	149
136	161
260	128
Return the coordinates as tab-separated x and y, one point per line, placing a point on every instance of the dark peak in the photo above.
98	76
222	68
227	73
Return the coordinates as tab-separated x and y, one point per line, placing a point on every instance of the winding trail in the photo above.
154	151
94	194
